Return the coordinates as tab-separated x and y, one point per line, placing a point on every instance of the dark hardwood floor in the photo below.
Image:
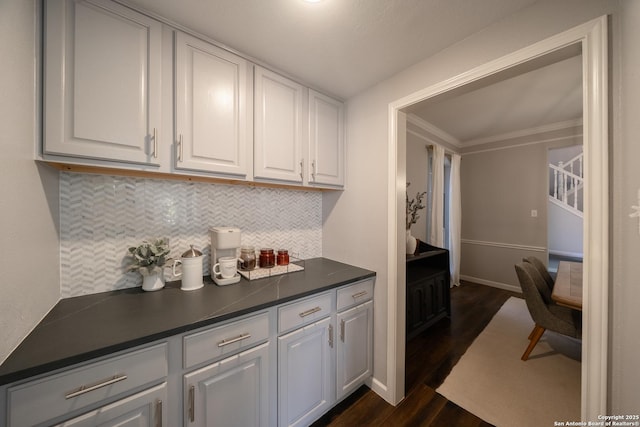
429	359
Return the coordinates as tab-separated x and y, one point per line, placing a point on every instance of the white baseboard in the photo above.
565	253
505	286
380	389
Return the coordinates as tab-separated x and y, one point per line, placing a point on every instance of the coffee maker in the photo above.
225	242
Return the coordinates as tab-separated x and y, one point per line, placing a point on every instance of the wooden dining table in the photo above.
567	288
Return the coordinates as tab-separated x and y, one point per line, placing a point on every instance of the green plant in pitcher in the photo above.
149	256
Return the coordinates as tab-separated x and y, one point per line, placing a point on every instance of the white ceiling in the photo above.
343	47
338	46
537	99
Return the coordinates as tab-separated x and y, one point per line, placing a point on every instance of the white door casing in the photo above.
592	38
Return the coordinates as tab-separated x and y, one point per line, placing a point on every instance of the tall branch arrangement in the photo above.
413	206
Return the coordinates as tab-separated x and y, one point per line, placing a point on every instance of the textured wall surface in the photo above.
101	216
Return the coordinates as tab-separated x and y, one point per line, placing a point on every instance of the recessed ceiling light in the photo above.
313	1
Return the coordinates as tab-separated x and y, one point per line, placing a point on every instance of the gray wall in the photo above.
355	222
499	190
625	268
417	175
29	193
500	187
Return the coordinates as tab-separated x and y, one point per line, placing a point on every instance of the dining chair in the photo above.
545	315
542	269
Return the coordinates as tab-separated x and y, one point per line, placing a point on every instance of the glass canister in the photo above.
247	258
283	257
267	258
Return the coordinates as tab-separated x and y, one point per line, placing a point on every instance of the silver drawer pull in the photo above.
359	294
155	143
192	404
310	312
87	388
232	340
159	413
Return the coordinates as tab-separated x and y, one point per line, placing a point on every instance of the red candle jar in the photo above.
267	258
283	257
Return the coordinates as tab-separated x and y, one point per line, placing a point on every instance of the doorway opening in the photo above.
565	206
591	39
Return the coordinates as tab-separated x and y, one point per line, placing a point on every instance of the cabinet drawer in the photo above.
224	340
50	397
355	294
303	312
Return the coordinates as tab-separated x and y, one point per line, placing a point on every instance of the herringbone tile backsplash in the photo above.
101	216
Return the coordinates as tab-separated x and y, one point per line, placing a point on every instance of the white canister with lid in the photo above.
192	269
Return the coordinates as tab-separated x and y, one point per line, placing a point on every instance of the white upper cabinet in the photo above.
278	143
326	140
212	129
102	82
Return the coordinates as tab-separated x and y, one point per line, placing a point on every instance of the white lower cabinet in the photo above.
52	399
144	409
231	392
354	360
305	374
286	365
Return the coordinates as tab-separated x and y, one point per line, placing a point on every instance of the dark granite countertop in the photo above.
82	328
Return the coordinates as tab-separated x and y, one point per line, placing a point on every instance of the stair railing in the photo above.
568	180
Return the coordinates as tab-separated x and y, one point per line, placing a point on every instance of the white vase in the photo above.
153	281
411	243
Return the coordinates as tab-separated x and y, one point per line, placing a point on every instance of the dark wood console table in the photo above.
428	289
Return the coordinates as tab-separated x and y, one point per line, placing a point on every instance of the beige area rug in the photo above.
491	381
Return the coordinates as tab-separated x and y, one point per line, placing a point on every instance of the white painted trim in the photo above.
378	387
567	254
595	344
524	144
505	245
592	36
499	285
423	137
566	207
433	130
396	250
568	124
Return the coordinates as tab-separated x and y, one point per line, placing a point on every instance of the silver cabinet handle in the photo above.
302	169
159	413
342	330
359	294
155	143
232	340
87	388
331	336
192	405
310	312
180	148
313	170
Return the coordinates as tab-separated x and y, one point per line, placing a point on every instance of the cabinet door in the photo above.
144	409
326	140
278	127
305	374
441	293
417	300
355	348
232	392
211	108
102	82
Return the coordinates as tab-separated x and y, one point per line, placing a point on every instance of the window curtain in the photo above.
436	235
455	221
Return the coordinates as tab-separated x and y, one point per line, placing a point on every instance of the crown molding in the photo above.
567	124
433	131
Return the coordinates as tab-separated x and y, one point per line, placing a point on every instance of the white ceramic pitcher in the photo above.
192	269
